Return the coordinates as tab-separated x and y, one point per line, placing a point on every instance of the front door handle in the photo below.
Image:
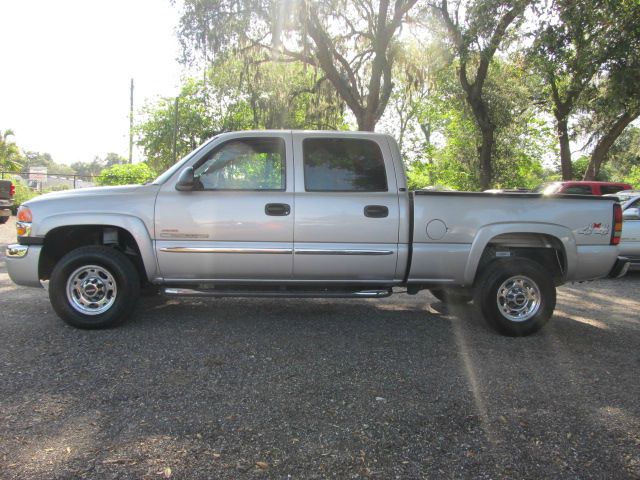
376	211
277	209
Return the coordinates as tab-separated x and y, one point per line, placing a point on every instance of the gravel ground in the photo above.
250	388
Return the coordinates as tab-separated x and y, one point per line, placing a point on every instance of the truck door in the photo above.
630	242
347	209
237	224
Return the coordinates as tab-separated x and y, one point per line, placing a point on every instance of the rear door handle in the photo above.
376	211
277	209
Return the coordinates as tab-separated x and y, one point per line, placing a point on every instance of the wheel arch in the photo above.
551	245
63	233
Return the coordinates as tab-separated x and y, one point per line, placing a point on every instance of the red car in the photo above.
582	188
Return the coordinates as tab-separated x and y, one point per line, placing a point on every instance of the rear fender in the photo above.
489	232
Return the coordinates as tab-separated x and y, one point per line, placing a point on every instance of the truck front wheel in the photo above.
94	287
516	296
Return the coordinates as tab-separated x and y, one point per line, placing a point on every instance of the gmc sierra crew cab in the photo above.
297	213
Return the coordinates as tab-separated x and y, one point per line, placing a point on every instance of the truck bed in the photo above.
452	230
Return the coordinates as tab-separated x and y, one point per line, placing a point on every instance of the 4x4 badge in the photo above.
596	229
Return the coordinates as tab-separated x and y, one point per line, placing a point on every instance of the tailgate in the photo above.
5	190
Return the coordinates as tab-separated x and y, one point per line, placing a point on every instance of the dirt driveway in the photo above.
248	388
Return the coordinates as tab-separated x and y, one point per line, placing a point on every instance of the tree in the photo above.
574	44
522	138
411	116
37	159
237	95
624	156
10	157
93	168
615	98
353	43
476	29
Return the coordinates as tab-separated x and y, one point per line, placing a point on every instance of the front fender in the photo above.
488	232
131	224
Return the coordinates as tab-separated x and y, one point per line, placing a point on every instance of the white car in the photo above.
630	242
624	195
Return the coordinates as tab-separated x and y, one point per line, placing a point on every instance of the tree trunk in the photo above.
606	142
485	151
562	129
367	121
487	129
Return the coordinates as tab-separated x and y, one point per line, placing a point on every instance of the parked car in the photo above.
624	195
303	214
630	240
582	188
7	191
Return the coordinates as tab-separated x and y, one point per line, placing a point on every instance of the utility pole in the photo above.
175	130
131	125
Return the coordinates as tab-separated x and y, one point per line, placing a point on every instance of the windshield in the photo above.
177	166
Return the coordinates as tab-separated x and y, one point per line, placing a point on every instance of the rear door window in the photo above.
343	165
605	189
578	190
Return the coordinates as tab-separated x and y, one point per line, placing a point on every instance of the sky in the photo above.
67	67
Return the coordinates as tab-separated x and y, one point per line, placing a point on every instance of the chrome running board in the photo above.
292	293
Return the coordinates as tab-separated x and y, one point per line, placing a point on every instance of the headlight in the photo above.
23	225
24	214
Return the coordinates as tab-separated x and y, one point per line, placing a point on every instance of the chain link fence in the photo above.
47	182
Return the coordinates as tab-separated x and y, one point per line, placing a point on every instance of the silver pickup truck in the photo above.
294	213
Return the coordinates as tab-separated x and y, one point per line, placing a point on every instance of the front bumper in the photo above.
620	268
22	264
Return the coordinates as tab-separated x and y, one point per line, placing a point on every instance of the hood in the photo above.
91	192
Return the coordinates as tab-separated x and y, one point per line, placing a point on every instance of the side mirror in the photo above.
631	214
186	180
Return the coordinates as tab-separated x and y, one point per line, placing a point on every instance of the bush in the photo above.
23	193
127	174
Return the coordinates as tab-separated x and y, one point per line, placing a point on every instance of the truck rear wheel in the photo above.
94	287
516	296
452	296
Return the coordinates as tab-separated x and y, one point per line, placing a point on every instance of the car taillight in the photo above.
12	190
616	232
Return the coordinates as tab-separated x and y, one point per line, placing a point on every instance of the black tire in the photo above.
96	269
452	296
3	220
516	296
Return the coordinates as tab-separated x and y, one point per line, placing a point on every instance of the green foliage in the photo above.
523	139
23	192
37	159
579	166
93	168
354	44
624	156
237	96
633	177
127	174
10	156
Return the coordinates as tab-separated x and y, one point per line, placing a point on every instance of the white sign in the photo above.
38	173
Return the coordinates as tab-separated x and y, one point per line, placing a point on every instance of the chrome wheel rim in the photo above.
519	298
91	290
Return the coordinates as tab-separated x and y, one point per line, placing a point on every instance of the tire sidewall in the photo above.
494	276
123	272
